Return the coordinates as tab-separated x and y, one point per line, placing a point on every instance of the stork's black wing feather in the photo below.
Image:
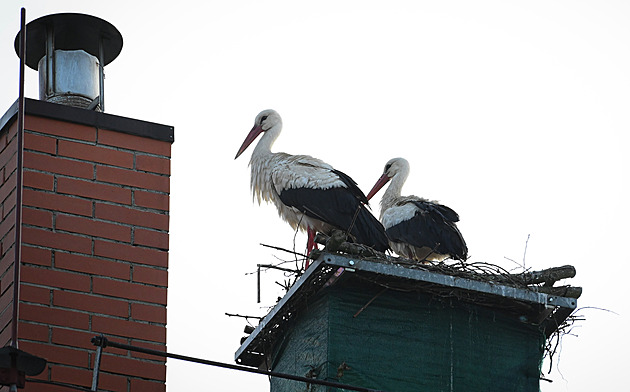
432	226
352	186
446	213
339	207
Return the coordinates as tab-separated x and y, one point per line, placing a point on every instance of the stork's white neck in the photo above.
261	162
268	138
394	189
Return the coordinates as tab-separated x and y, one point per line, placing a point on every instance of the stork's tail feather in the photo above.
367	230
457	247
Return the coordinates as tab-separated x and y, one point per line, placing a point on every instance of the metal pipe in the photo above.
104	342
97	368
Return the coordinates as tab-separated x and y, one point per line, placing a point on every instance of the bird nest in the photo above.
538	281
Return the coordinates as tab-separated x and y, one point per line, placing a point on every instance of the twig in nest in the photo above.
284	250
524	255
561	291
286	285
425	260
275	266
596	308
271	266
566	328
525	251
243	316
345	247
369	302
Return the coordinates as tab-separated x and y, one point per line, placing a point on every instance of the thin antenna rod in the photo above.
18	188
101	75
49	89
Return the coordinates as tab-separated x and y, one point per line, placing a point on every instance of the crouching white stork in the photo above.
308	193
417	228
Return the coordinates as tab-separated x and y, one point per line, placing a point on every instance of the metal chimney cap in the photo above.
71	32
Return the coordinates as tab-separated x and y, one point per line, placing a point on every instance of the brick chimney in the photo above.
94	243
95	220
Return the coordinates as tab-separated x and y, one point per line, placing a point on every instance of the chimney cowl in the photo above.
66	46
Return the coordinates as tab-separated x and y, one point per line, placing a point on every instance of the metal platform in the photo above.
548	311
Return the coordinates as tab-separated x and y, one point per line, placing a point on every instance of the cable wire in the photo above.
104	342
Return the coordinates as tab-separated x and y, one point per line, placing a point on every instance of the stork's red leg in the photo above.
310	244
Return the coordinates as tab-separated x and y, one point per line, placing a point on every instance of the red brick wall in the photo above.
8	181
95	252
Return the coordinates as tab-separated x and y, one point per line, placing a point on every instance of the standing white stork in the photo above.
417	228
308	193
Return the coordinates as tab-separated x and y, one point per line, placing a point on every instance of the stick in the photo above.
240	315
561	291
369	302
284	250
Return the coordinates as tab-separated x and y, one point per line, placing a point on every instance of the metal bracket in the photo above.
100	342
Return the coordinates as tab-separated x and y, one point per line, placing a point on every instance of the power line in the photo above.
103	342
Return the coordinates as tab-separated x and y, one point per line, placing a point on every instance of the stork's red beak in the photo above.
253	134
379	184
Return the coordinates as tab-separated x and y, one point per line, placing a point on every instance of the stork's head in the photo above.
265	120
393	167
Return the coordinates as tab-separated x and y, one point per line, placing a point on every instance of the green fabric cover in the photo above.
407	341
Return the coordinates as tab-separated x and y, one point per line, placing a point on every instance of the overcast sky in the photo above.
514	114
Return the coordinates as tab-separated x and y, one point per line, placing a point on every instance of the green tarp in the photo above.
406	341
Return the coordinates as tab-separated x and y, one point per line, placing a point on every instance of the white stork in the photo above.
308	193
417	228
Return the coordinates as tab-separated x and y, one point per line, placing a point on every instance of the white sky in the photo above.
515	114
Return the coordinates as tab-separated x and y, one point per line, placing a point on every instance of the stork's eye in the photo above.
263	118
387	167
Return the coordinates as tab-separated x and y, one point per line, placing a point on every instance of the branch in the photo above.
271	266
550	275
245	317
336	243
282	249
547	276
561	291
